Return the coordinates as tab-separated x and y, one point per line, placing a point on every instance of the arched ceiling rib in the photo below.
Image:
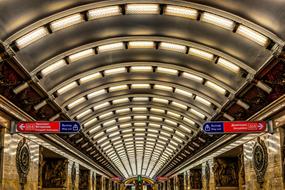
167	38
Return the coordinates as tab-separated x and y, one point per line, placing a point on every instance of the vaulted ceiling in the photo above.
141	76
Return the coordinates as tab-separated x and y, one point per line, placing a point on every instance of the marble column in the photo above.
208	180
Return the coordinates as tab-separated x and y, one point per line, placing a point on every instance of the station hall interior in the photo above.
142	95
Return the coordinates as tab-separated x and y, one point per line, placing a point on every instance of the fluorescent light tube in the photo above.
140	86
67	88
141	69
183	92
104	12
217	20
173	47
162	87
192	77
197	113
81	55
203	101
100	106
253	35
142	9
181	12
31	37
228	65
202	54
166	71
111	47
118	88
66	22
215	87
83	114
90	78
115	71
181	106
76	102
141	44
96	93
53	67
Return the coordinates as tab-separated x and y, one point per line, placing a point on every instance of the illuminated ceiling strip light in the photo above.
31	37
90	77
215	87
228	65
111	47
67	88
53	67
80	55
140	86
122	110
96	93
104	12
162	87
119	101
202	54
189	121
142	9
253	35
183	92
160	100
141	69
90	122
182	106
66	22
218	20
118	88
115	71
173	47
192	77
166	71
203	101
76	102
83	114
173	114
141	44
140	99
181	12
197	113
105	115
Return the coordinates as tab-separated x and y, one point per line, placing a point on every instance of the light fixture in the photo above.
124	119
139	109
105	115
162	87
192	77
160	100
90	77
80	55
183	92
118	88
140	86
203	101
173	47
83	114
140	99
96	93
141	44
155	110
180	134
253	35
104	12
181	11
189	121
141	69
173	114
98	135
217	20
178	105
142	9
109	123
166	71
67	88
100	106
200	53
53	67
155	118
90	122
115	71
31	37
111	47
170	122
66	22
76	102
122	110
215	87
197	113
228	65
120	101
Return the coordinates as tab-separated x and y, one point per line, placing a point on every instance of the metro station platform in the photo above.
142	95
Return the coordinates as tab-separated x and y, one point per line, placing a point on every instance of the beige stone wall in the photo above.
10	180
273	175
212	185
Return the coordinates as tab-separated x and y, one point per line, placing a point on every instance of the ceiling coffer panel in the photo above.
141	76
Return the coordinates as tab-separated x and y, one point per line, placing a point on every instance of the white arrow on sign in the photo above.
22	126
